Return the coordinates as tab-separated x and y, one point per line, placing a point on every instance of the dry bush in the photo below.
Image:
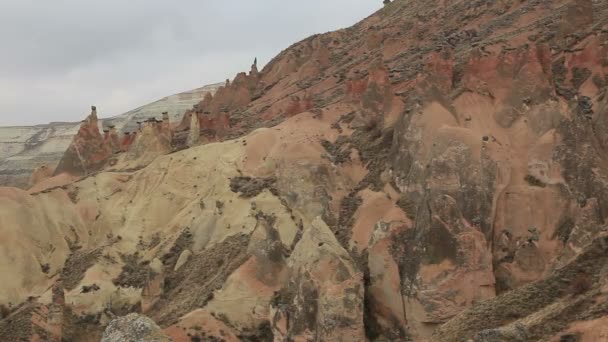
580	285
4	311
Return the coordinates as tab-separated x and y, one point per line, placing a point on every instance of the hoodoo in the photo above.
88	151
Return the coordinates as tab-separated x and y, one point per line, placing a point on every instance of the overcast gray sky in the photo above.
59	57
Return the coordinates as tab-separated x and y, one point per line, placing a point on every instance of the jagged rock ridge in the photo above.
38	149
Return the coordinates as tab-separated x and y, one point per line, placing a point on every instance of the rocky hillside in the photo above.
437	172
28	148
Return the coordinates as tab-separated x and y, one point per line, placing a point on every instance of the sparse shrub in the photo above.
91	288
408	206
4	311
564	229
122	302
371	124
570	338
580	285
220	207
533	181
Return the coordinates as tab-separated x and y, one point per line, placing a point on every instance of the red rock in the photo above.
88	152
445	165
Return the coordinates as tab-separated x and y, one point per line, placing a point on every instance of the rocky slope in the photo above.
437	172
28	148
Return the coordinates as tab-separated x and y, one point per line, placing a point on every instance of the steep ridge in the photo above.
25	150
435	172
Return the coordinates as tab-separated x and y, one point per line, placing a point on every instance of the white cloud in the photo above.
59	57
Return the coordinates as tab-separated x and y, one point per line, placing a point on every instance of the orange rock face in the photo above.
89	150
127	140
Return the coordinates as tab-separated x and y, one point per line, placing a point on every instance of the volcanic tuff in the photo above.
38	149
438	171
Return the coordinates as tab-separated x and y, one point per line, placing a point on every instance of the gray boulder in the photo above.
133	328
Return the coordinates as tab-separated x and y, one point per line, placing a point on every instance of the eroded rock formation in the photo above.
133	327
89	150
25	149
435	172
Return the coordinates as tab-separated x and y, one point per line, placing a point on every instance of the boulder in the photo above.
133	328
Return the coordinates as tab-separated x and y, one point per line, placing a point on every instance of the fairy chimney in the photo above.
195	129
254	67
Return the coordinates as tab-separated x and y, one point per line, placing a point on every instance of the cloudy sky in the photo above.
59	57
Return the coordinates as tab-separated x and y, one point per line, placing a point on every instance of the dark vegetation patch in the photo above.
408	206
4	311
599	81
573	283
122	308
585	106
73	194
374	146
373	330
76	265
570	338
344	118
300	300
81	328
263	333
581	284
560	71
154	241
564	229
440	244
347	118
18	325
338	152
200	337
249	187
183	242
533	181
342	228
192	286
372	327
582	167
580	76
406	250
89	288
272	246
219	205
429	242
42	334
504	279
135	273
298	236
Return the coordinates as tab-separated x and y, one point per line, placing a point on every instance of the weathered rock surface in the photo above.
88	152
25	149
133	328
435	172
